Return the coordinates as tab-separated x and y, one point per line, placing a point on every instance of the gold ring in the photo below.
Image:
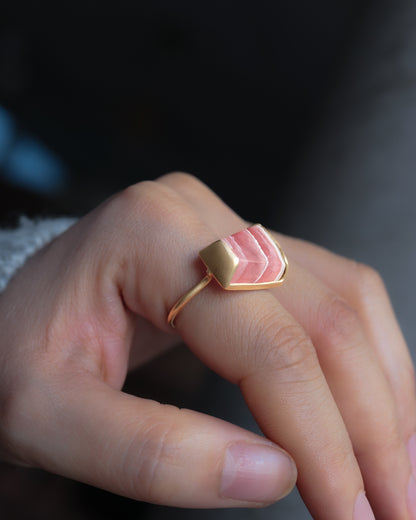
248	260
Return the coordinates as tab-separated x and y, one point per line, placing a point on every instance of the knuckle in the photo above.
146	195
344	467
342	457
387	439
186	184
367	281
369	276
152	203
392	441
338	323
410	377
132	195
404	385
284	347
181	179
404	389
152	450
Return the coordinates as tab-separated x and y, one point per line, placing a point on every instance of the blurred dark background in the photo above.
96	96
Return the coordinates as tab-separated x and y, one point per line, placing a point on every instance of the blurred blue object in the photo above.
26	162
30	164
7	134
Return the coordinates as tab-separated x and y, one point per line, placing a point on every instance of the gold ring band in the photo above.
187	297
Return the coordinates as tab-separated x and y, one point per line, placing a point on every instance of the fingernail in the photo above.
411	449
362	509
411	497
256	473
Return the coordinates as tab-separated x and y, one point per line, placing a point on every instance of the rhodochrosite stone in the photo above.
260	260
249	259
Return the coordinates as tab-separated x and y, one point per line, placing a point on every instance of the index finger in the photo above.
251	340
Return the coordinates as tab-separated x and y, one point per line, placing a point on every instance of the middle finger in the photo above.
351	368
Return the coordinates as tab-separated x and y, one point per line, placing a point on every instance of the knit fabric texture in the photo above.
17	245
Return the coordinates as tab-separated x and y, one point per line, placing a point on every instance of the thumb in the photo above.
157	453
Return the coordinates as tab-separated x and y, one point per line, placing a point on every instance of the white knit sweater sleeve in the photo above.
17	245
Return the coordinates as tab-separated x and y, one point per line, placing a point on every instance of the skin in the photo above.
320	361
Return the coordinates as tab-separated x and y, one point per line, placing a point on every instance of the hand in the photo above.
320	361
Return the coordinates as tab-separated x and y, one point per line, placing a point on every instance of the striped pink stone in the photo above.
259	258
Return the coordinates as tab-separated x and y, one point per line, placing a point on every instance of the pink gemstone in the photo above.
259	258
